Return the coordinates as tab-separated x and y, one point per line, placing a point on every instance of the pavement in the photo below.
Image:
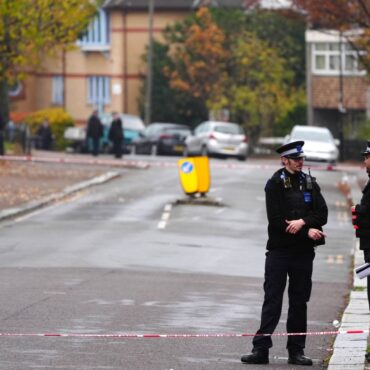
348	349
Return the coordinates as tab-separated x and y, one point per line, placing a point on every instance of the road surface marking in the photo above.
165	216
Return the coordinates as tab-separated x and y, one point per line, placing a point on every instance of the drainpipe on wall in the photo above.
64	73
148	100
309	77
125	67
341	107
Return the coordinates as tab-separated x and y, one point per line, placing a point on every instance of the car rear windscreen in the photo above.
229	129
322	136
177	131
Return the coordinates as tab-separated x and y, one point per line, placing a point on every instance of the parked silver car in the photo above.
214	138
320	146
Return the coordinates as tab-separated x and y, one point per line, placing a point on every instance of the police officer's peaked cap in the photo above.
367	150
291	150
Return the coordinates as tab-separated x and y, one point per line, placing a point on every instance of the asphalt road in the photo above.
125	258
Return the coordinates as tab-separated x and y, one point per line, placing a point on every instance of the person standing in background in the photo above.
2	128
45	136
94	131
116	135
11	130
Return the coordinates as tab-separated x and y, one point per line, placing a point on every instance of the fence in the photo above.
349	149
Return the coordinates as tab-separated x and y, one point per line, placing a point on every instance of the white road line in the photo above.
168	207
165	216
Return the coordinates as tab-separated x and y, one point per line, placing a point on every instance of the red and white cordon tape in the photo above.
145	164
176	336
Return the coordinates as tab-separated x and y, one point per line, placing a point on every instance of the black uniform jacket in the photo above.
288	197
363	218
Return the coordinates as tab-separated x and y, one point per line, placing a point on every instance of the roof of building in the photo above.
171	4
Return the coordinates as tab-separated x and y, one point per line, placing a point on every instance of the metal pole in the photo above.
341	107
148	100
125	64
64	77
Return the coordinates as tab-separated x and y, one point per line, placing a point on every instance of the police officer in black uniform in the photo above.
361	220
296	212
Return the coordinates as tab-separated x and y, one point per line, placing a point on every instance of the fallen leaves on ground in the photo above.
22	182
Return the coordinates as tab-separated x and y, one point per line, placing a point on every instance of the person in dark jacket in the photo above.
361	221
2	128
296	212
94	131
116	135
45	136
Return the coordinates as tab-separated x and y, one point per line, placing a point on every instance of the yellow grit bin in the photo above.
194	175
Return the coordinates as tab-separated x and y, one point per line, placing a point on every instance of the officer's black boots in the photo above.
258	356
367	357
298	358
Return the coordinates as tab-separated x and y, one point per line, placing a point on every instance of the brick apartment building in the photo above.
105	70
338	92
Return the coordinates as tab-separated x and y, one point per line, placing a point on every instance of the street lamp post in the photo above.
341	107
149	78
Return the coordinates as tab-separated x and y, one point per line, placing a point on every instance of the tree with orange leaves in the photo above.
342	15
30	30
200	61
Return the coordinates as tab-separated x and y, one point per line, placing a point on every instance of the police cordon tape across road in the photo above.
179	336
139	163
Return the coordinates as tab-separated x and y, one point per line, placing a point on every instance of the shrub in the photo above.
58	120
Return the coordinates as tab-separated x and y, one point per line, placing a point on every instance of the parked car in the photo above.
214	138
132	127
320	146
162	138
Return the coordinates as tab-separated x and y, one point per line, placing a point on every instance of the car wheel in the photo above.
242	157
78	148
204	151
139	149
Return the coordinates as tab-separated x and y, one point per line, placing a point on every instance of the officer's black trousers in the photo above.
279	265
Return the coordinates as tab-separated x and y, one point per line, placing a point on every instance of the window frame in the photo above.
57	93
97	36
98	90
342	52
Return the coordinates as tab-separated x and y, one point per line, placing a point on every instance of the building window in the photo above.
334	58
58	90
98	90
97	36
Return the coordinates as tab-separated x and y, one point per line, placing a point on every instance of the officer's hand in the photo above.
315	234
294	226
